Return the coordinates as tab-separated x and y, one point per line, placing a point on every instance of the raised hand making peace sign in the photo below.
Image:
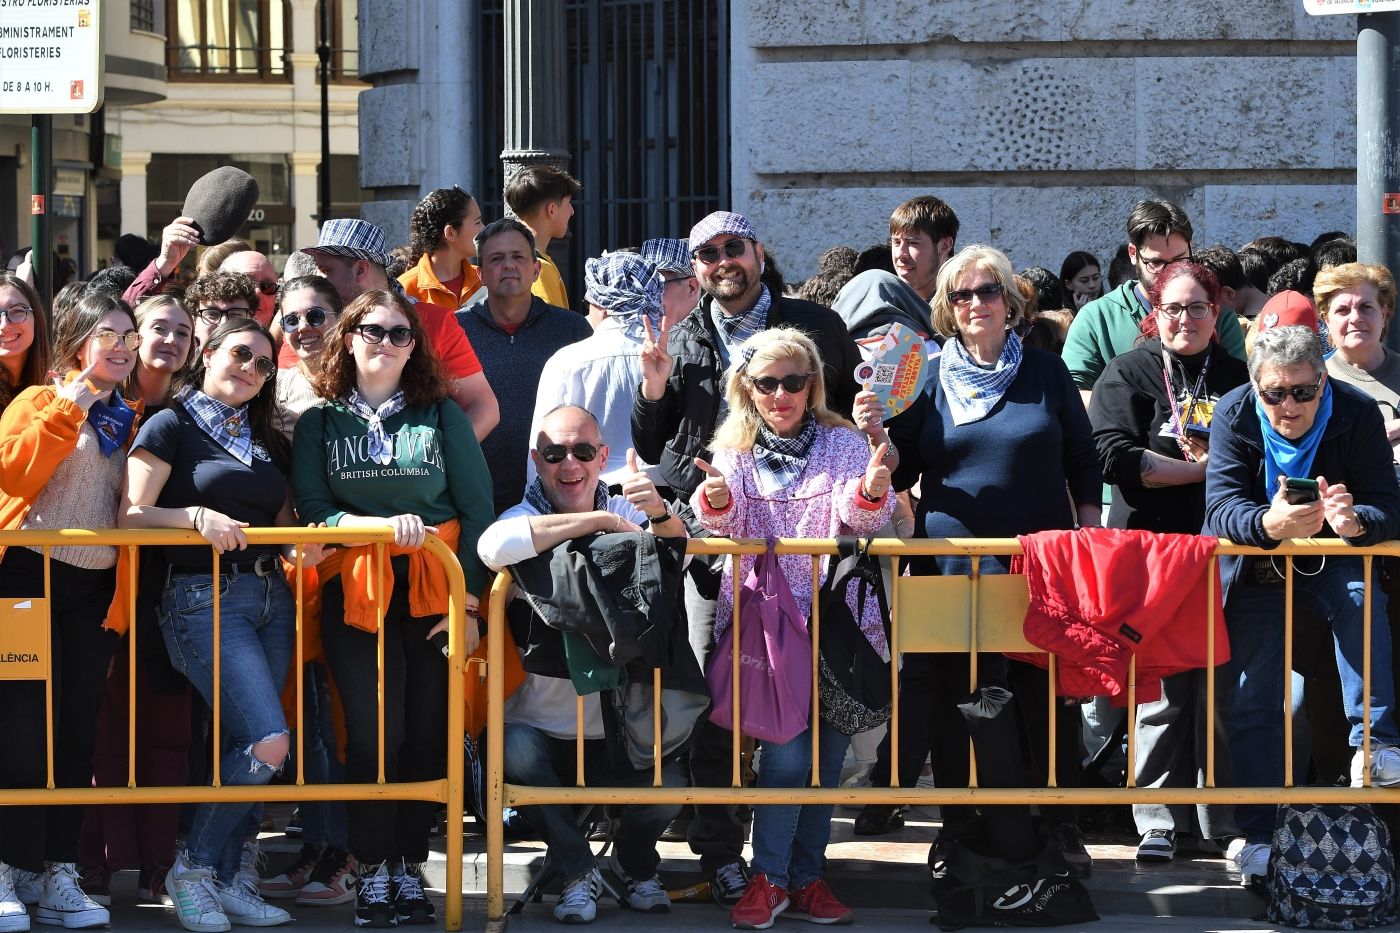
656	362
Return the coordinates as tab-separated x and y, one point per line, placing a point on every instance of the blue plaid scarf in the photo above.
779	461
227	426
972	392
734	329
381	449
535	497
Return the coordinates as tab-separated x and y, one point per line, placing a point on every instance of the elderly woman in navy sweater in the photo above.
1292	420
996	438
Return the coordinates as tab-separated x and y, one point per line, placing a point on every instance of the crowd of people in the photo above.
449	388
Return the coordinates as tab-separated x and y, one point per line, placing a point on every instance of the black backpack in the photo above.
854	679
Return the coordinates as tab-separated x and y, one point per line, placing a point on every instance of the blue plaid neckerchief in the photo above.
227	426
779	461
535	497
381	449
734	329
972	391
111	422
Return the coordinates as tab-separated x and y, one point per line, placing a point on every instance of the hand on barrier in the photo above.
311	552
409	530
222	532
1339	508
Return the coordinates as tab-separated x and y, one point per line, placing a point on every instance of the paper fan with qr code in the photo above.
896	369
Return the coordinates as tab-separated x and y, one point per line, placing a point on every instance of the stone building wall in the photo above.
1040	123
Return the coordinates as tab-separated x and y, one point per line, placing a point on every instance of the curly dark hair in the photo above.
445	207
423	381
221	286
35	369
262	406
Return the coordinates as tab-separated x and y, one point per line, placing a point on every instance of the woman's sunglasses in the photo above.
109	339
372	333
243	356
767	385
312	317
963	296
1301	394
555	453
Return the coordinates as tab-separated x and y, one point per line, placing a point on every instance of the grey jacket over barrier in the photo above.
676	428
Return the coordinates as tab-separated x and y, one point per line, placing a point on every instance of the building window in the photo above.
228	40
345	52
143	17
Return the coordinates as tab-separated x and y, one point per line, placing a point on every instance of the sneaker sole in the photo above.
574	919
1160	858
260	921
71	920
377	923
827	921
19	923
279	894
782	906
339	899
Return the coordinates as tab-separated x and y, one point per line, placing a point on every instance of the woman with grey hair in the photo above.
1294	454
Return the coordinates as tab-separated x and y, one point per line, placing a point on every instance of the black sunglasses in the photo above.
710	254
312	317
372	333
792	384
963	296
243	356
555	453
1301	394
267	288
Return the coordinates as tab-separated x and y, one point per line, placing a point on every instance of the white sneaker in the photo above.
197	905
579	902
1385	766
1251	859
243	904
64	904
29	886
647	896
248	864
13	917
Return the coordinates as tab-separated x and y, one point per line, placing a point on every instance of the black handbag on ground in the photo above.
854	680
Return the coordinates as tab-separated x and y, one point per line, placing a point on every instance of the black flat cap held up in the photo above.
219	203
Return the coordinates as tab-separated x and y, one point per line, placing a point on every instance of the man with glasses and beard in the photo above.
679	405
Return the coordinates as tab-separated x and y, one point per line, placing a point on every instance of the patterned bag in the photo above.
1331	869
854	679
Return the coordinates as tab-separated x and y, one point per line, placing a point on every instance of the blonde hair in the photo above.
740	427
989	260
1334	280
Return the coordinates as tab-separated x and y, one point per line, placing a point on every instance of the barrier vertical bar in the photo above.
1366	671
656	727
495	751
972	662
217	692
1051	779
578	742
301	673
380	606
734	779
456	730
131	666
1212	565
894	672
1287	671
1130	776
48	681
816	717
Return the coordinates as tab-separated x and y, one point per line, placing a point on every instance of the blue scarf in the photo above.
1291	458
227	427
111	422
971	391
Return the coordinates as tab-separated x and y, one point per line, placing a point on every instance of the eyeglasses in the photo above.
219	315
1301	394
792	384
243	356
678	279
963	296
1196	310
372	333
1157	265
311	317
267	288
555	453
710	254
17	314
109	339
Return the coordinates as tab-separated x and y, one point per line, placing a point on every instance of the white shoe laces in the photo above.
66	888
583	891
410	883
374	889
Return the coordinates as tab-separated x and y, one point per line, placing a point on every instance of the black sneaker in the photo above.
728	883
876	819
374	905
1077	858
411	905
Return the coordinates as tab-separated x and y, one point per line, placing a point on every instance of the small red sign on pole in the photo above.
36	204
1390	204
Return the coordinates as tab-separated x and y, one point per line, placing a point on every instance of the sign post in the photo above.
50	62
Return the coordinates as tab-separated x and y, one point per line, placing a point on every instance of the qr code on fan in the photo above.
884	374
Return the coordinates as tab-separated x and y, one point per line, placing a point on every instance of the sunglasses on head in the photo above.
555	453
963	296
710	254
767	385
372	333
311	317
1301	394
243	356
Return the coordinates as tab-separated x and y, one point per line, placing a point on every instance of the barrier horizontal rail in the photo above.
447	790
979	609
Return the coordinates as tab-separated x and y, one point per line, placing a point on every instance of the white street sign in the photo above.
1350	7
50	56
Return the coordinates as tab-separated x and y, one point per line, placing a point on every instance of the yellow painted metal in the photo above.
936	613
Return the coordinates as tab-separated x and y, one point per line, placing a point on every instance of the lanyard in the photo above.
1182	418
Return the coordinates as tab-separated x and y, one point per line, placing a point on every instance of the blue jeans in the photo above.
536	759
321	823
257	620
1254	617
789	840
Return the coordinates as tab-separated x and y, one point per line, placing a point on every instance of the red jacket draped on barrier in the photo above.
1098	596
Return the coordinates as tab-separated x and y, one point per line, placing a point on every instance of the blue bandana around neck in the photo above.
1291	458
111	422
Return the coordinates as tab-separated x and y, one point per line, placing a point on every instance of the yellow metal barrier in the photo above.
448	791
975	613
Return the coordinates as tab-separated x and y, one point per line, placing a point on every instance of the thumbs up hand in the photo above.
715	487
877	475
640	490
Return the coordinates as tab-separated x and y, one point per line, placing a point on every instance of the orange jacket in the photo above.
422	283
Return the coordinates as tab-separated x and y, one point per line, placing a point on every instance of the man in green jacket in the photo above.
1159	233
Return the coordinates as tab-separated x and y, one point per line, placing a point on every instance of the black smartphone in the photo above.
1198	431
1298	491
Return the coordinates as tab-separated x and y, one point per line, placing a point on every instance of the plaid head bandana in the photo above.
627	287
669	256
779	461
972	391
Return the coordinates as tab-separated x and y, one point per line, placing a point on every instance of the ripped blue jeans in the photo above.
257	620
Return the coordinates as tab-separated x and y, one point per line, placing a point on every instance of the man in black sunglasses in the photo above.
678	406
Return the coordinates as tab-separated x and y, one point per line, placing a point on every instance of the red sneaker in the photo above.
761	903
819	904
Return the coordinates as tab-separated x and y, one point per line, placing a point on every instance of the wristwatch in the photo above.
665	516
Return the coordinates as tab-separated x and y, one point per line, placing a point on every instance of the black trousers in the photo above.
81	652
415	719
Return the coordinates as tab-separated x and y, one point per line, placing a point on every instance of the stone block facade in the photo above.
1039	123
